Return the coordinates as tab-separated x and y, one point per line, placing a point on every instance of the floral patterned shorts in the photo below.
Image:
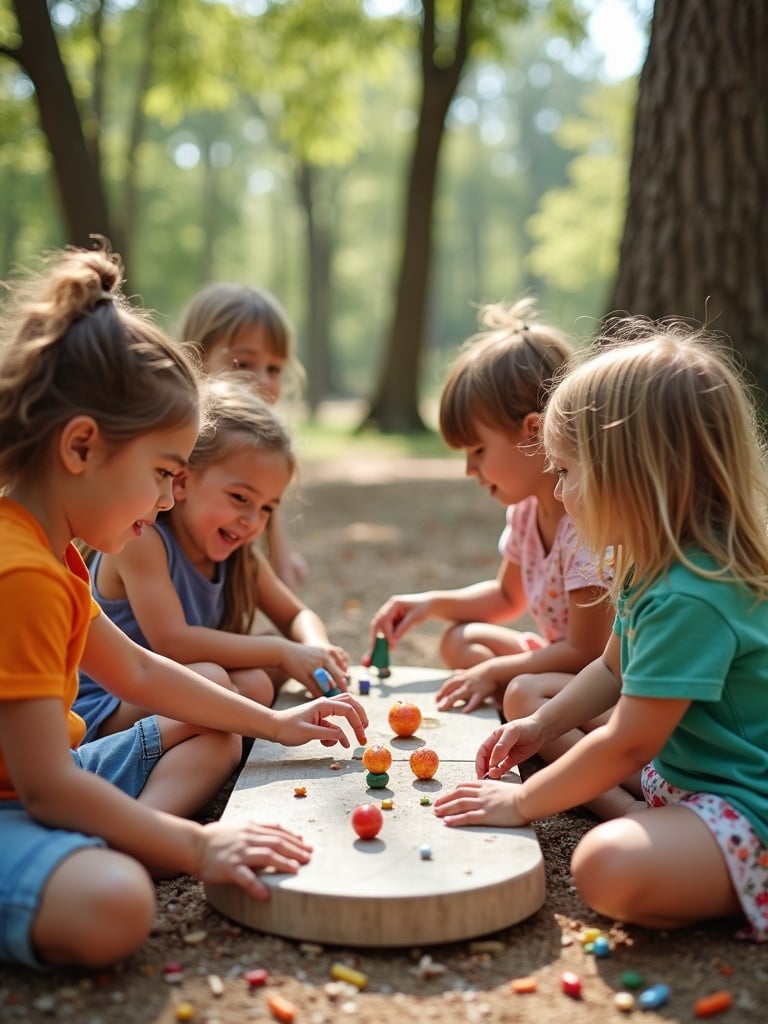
745	856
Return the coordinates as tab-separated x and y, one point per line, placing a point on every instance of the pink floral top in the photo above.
548	577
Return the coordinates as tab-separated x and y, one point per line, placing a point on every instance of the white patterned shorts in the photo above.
745	856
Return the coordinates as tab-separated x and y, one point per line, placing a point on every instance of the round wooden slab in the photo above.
382	892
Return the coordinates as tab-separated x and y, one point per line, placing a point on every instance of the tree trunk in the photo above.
319	248
695	242
83	201
395	406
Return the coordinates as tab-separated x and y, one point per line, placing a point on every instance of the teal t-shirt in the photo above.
690	638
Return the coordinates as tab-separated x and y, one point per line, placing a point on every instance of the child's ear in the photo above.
180	482
78	440
531	424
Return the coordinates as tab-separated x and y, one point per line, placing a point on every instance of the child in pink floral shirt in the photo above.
490	407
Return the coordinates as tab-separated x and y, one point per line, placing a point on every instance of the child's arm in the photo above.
589	626
289	565
151	681
605	757
590	693
142	571
57	793
499	600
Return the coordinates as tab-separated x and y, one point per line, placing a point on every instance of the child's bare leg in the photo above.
195	764
465	644
524	695
659	867
97	908
254	683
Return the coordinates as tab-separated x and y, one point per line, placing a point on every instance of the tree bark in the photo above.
83	201
695	242
395	406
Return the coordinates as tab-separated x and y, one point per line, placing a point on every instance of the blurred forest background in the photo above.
385	167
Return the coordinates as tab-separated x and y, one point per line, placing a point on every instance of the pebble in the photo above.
654	997
571	984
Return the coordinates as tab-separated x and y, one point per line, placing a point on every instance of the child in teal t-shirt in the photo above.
659	461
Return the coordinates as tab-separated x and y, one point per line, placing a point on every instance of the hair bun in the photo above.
83	280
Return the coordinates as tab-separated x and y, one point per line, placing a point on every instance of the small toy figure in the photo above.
380	656
325	682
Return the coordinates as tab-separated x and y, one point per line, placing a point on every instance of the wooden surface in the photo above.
380	892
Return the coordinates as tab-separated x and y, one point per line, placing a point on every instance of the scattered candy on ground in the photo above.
387	804
631	979
300	791
708	1006
523	985
376	780
256	977
571	984
184	1011
425	801
624	1001
341	972
601	947
654	997
425	852
280	1008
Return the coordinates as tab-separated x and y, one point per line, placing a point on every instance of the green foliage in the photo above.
577	228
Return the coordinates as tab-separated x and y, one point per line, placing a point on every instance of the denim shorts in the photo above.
30	852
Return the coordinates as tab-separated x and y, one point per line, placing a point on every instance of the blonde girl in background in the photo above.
491	407
98	415
190	586
659	456
237	327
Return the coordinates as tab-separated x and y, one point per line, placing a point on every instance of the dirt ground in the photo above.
369	529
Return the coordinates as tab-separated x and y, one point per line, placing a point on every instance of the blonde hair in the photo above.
217	313
671	456
71	345
501	374
238	419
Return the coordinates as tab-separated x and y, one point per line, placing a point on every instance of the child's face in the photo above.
251	351
510	466
568	488
125	489
221	507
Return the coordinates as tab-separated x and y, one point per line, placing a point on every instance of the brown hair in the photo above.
72	345
501	374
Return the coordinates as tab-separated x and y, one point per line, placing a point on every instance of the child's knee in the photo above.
602	871
98	909
452	645
213	672
520	700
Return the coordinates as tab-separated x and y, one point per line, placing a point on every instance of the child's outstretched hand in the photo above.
481	802
472	685
311	721
234	853
507	746
399	614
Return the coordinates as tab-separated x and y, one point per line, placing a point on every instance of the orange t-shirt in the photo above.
46	608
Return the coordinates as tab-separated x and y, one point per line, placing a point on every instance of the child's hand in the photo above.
507	746
300	662
233	853
399	614
481	803
472	685
310	722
